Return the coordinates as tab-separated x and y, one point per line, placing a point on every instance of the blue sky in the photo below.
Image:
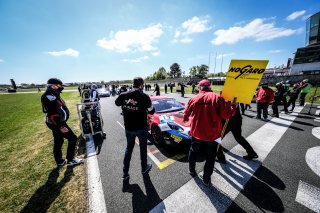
79	41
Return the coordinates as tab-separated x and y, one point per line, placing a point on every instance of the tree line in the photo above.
175	71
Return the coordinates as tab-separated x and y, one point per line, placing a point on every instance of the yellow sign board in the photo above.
243	78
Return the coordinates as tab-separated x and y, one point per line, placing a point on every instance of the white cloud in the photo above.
274	51
192	26
133	40
136	60
67	52
196	25
225	55
156	53
1	60
295	15
186	40
256	29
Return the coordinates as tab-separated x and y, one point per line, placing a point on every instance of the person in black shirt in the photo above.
279	95
157	89
182	89
234	125
293	94
57	115
135	108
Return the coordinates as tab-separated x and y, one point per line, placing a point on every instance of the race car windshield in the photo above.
167	105
102	90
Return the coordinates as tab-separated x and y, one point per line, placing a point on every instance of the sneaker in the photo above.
125	176
62	162
147	169
193	173
250	157
257	117
207	184
75	162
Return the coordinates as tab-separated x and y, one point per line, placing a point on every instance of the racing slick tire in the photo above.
157	134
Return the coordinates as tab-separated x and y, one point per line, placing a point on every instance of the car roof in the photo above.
153	98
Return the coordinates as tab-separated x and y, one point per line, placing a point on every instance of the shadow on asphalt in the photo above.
259	189
284	125
210	191
142	202
42	199
299	122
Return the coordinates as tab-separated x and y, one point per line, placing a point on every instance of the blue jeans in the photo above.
131	136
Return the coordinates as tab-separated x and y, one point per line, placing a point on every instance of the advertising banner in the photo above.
243	78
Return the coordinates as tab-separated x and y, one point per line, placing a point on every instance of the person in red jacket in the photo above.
264	96
205	111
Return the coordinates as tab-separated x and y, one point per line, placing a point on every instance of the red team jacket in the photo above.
265	95
206	111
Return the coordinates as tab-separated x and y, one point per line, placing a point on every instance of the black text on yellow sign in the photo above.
243	78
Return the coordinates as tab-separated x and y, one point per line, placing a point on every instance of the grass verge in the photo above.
30	181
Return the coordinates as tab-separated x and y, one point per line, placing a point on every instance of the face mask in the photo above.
60	89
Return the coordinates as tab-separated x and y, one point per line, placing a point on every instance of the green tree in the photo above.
193	71
175	70
161	73
203	70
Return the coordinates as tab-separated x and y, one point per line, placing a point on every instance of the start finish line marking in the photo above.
228	180
163	164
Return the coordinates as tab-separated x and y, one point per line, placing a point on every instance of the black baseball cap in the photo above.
137	81
54	81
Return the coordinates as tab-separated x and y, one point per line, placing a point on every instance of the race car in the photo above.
103	92
166	124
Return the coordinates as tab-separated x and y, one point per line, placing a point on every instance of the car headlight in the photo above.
174	126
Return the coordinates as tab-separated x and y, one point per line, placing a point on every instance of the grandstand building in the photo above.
307	59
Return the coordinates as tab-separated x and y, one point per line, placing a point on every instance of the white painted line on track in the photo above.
95	191
312	159
228	180
316	132
309	196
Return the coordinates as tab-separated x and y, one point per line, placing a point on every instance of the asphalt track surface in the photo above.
273	187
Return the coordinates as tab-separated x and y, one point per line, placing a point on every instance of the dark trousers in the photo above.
302	98
262	107
182	93
210	149
285	103
292	101
131	137
236	130
58	138
275	105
